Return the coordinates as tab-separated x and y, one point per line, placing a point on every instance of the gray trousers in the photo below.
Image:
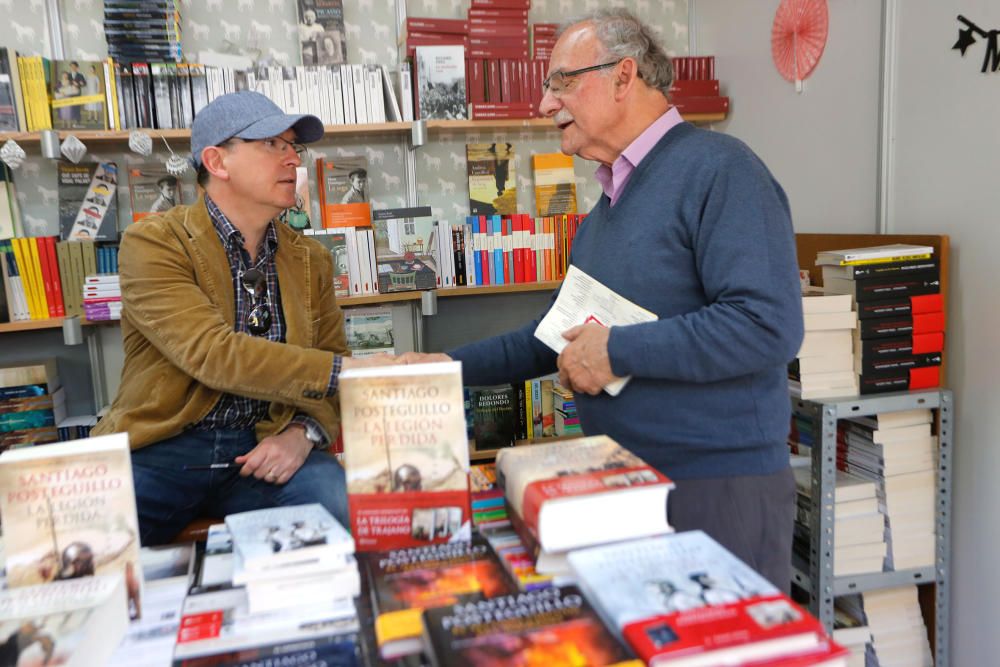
752	516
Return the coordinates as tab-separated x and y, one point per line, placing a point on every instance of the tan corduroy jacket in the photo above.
181	352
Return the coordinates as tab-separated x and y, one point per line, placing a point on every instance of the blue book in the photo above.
497	230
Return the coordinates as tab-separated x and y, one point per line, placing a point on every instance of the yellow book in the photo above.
36	268
112	122
555	183
885	260
27	278
24	77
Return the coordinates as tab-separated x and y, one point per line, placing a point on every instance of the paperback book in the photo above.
322	38
492	181
344	195
69	512
369	331
555	184
152	189
77	91
553	626
441	82
88	201
405	454
405	253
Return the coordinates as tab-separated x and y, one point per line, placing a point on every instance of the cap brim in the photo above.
307	128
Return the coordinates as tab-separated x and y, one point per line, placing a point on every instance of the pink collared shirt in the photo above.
613	179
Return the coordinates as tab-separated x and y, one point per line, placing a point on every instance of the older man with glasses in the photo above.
233	338
693	227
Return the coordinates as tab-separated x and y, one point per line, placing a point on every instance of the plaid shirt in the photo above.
239	412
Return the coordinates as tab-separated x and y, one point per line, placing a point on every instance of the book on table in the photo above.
72	622
683	600
403	582
69	512
406	455
582	492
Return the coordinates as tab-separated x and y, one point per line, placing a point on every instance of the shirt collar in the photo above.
231	236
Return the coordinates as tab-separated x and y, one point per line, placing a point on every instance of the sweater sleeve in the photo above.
744	255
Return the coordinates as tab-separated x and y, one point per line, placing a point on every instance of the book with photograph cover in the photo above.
69	512
495	421
684	597
441	82
75	622
78	95
322	38
88	201
554	626
403	582
582	492
152	189
288	537
555	184
345	192
335	241
10	95
369	331
405	454
405	254
492	181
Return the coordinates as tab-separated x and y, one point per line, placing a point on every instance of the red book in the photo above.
424	39
483	230
900	380
887	348
50	251
901	305
493	80
694	88
502	13
476	81
498	52
501	4
545	28
480	41
499	30
692	105
501	110
422	24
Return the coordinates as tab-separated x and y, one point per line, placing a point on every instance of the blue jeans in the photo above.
169	497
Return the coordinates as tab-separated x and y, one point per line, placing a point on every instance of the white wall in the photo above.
945	153
820	144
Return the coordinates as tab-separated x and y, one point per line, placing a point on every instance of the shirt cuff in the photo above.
334	383
308	423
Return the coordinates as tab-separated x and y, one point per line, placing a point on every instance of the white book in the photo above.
891	252
347	93
818	300
393	113
364	261
336	94
360	98
353	260
829	321
406	92
284	537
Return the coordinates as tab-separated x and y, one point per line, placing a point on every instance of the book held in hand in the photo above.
69	513
406	454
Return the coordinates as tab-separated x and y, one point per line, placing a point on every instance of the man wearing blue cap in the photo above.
233	339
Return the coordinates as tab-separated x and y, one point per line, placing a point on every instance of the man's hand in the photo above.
381	359
276	458
584	365
423	357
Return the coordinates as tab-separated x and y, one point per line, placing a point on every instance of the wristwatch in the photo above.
315	435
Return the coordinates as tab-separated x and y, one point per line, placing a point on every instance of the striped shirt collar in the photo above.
231	236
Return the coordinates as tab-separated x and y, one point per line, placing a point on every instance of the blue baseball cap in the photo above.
247	115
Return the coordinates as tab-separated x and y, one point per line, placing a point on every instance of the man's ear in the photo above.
626	76
213	158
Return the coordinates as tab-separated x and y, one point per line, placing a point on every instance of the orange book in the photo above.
57	291
38	250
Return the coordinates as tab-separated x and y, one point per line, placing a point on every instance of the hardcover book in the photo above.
285	538
582	492
77	91
88	201
555	184
74	622
441	82
403	582
322	38
69	512
683	599
492	181
550	626
405	254
405	454
152	189
345	192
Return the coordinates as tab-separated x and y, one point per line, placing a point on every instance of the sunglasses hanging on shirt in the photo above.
259	318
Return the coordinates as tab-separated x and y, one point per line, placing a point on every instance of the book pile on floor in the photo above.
897	452
859	524
824	366
897	288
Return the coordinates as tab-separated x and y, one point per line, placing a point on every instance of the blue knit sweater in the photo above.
701	236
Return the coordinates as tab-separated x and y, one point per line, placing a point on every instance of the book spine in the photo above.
901	305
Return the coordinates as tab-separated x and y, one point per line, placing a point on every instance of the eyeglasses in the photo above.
259	317
558	82
276	145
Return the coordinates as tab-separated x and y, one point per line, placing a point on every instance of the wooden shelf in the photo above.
350	301
35	325
537	123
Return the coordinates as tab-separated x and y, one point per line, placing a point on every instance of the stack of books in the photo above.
144	31
683	599
850	631
32	402
564	410
897	452
102	297
543	40
695	88
578	493
859	544
897	288
824	366
899	635
291	556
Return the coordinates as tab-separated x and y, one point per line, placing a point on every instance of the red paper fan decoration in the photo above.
798	37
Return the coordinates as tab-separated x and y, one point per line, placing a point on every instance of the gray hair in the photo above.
623	35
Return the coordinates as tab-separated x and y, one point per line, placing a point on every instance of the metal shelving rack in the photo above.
816	577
